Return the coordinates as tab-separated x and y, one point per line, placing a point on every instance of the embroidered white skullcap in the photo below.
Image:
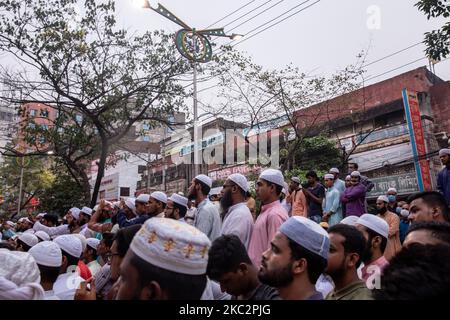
75	212
350	220
444	152
160	196
42	235
29	239
86	210
329	176
182	201
392	190
240	180
70	244
355	174
93	243
19	267
31	231
383	198
375	224
172	245
308	234
334	170
273	176
205	179
47	253
143	198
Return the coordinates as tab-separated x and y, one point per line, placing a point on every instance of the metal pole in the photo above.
164	161
148	171
20	188
194	64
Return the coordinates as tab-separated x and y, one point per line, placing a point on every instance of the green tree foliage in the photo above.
437	41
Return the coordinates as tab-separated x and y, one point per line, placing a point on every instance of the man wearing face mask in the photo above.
393	244
392	197
404	224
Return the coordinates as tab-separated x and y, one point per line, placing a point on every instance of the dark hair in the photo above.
94	251
48	274
23	245
417	272
373	234
312	174
178	286
51	218
108	238
6	245
438	230
181	209
124	237
316	263
205	188
354	239
71	260
225	255
248	194
354	164
432	199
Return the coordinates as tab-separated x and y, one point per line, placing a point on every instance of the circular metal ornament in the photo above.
193	46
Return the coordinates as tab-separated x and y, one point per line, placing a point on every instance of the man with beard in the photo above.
176	207
237	218
83	222
72	217
268	189
347	246
376	231
354	196
393	245
443	180
207	218
230	265
296	258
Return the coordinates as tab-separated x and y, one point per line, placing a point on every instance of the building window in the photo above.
33	112
31	125
44	113
124	192
79	118
141	169
44	127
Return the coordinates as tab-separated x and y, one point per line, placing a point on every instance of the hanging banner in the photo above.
416	135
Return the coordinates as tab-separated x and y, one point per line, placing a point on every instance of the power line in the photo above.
247	13
392	54
394	69
230	14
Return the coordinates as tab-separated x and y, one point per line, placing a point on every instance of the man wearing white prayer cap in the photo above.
25	241
207	218
354	196
167	259
72	219
19	276
142	212
237	218
376	232
350	220
268	189
90	255
296	257
68	281
443	179
157	204
48	257
176	207
332	207
338	183
393	245
42	236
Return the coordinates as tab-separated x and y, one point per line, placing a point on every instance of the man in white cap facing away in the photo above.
26	241
166	260
338	183
354	197
68	280
332	208
376	231
237	218
268	189
393	245
297	198
296	258
141	204
443	179
42	236
207	218
176	207
48	257
350	220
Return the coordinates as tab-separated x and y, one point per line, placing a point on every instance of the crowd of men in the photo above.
308	242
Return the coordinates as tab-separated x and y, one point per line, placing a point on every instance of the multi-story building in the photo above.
8	125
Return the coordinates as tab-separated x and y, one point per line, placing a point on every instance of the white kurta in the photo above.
238	221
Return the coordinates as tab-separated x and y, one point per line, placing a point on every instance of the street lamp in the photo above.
194	46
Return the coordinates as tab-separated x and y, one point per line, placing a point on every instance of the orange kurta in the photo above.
299	204
393	244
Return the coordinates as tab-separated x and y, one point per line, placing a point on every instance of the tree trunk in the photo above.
101	170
